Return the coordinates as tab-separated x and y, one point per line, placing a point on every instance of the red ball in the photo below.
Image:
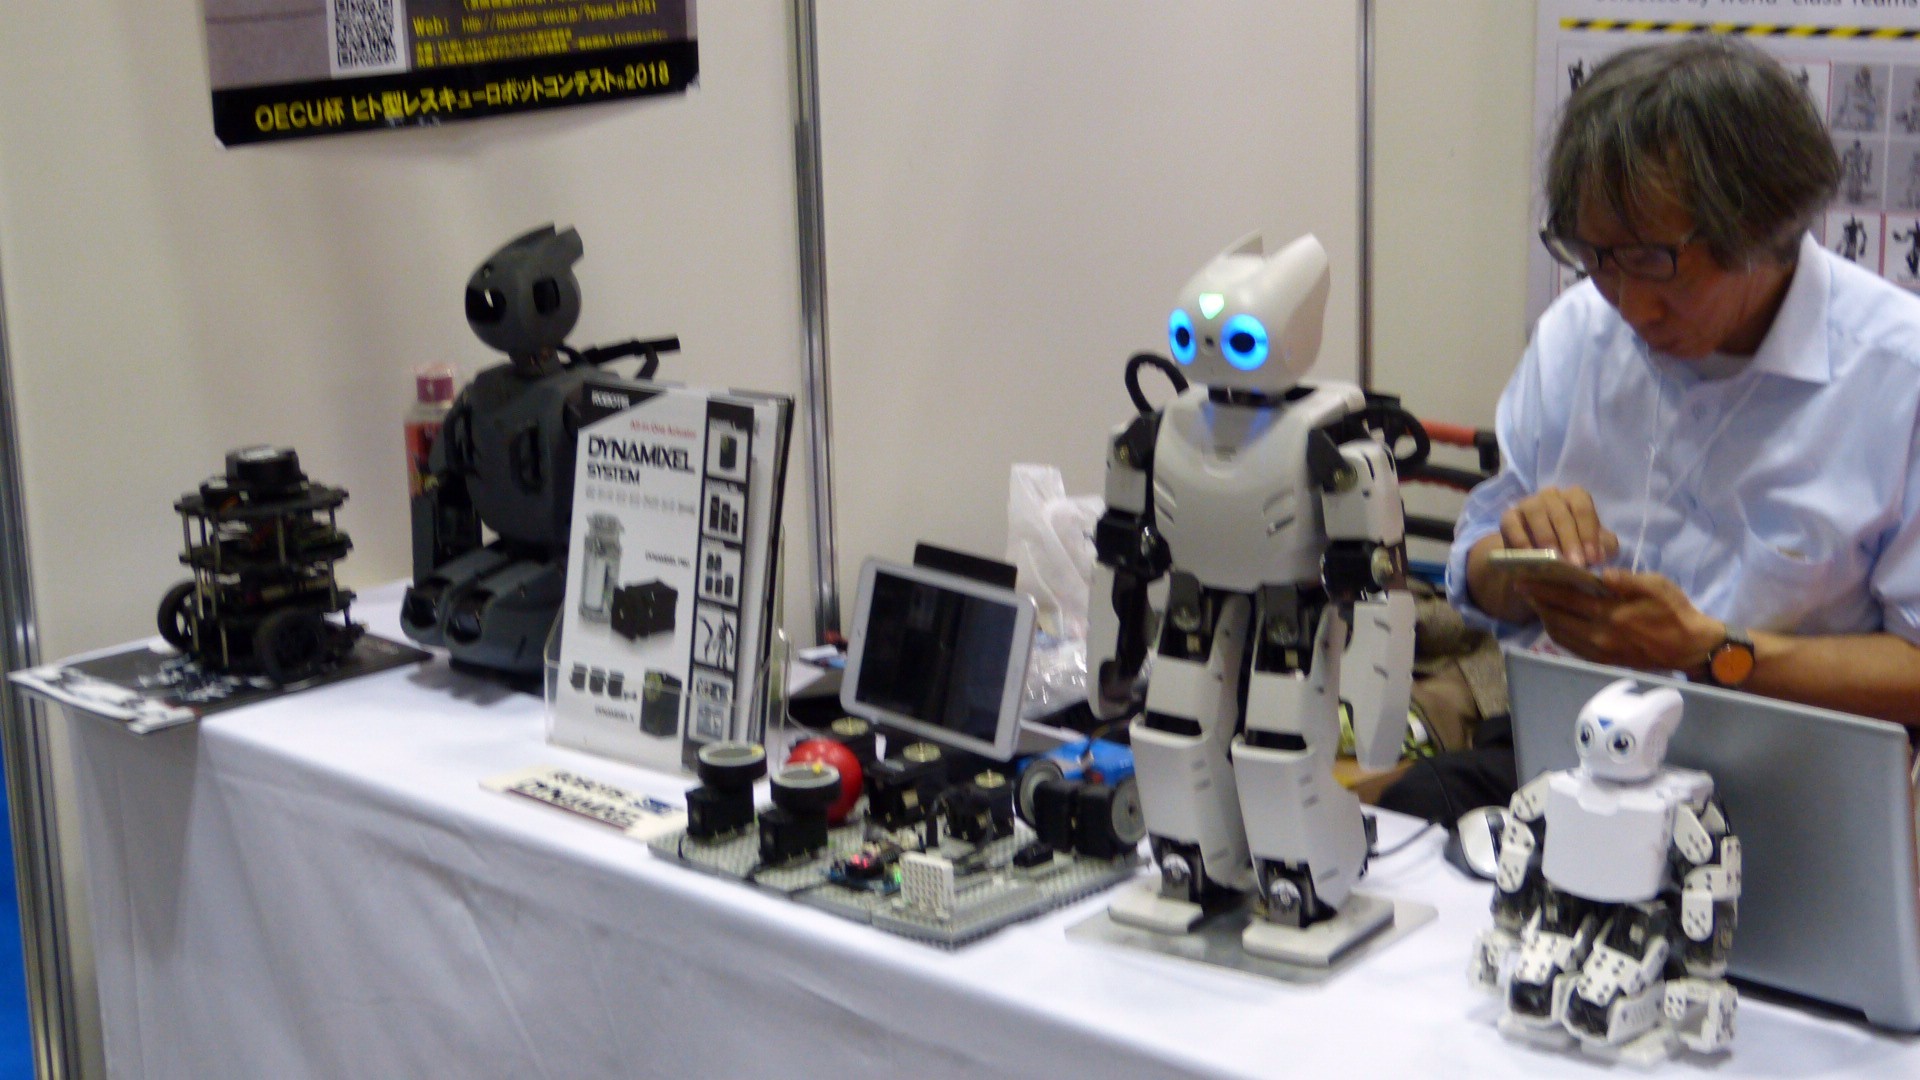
828	752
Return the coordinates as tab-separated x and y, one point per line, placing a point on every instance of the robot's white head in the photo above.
1623	730
1251	321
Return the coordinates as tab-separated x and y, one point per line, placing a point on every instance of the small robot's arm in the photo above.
1518	885
1706	860
1129	556
1366	565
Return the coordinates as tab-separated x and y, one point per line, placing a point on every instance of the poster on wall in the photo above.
291	69
1860	61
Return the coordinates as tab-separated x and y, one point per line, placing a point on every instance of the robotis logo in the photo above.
607	399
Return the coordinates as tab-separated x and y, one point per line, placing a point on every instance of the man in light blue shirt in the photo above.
1724	419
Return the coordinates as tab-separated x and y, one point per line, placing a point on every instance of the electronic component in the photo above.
795	826
927	883
902	790
723	803
981	811
858	736
844	762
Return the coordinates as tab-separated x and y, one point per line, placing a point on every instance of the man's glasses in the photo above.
1646	262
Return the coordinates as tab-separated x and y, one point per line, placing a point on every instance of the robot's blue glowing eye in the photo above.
1180	335
1244	341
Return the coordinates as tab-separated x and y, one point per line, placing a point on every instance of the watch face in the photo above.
1731	663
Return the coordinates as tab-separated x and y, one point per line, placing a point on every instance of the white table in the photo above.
318	886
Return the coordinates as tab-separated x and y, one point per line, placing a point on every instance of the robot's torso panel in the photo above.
1232	493
1610	842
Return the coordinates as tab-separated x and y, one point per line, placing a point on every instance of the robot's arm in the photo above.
445	525
1129	555
1518	887
1366	565
1706	860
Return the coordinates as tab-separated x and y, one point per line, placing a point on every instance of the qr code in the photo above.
365	35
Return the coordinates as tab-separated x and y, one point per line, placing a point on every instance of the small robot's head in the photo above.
1251	321
524	299
1623	731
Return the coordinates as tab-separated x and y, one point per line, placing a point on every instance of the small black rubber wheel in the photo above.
291	645
177	616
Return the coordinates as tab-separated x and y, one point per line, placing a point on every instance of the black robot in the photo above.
504	459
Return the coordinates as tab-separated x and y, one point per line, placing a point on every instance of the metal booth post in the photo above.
811	207
28	759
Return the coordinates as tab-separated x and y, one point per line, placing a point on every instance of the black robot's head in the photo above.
524	299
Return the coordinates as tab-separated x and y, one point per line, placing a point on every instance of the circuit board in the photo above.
946	894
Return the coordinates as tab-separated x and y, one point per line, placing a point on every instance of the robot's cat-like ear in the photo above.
1250	244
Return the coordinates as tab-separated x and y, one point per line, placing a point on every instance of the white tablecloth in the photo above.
318	886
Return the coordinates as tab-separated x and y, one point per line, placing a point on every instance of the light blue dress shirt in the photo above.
1785	497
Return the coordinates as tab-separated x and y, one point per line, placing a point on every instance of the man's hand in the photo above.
1648	623
1562	519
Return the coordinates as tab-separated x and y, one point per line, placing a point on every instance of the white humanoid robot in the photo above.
1276	515
1615	902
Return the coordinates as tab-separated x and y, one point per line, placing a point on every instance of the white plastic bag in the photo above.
1050	542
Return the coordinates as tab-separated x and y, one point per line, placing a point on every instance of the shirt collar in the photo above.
1796	343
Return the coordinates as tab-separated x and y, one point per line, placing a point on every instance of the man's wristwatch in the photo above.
1730	663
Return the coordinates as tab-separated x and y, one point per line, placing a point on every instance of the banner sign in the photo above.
290	69
1860	61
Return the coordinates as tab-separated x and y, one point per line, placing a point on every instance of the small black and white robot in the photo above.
505	460
1275	514
1615	902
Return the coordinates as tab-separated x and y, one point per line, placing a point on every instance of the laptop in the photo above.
1823	804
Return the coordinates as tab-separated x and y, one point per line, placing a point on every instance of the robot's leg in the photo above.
1622	988
1553	947
423	611
501	621
1181	764
1305	831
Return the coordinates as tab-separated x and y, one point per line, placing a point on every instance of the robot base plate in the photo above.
1216	942
1322	943
1141	905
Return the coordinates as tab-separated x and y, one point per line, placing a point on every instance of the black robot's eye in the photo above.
1586	735
1621	745
485	305
546	296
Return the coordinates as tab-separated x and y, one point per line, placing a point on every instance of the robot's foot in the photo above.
1537	1003
1701	1011
1320	944
1526	1029
1644	1052
1141	905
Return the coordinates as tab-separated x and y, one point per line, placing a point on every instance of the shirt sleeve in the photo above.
1895	579
1521	422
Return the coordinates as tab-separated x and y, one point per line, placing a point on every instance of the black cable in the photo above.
1146	359
1404	844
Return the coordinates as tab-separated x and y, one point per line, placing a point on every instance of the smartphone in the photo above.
1546	564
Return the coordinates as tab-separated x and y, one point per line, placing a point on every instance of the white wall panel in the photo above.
1016	191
